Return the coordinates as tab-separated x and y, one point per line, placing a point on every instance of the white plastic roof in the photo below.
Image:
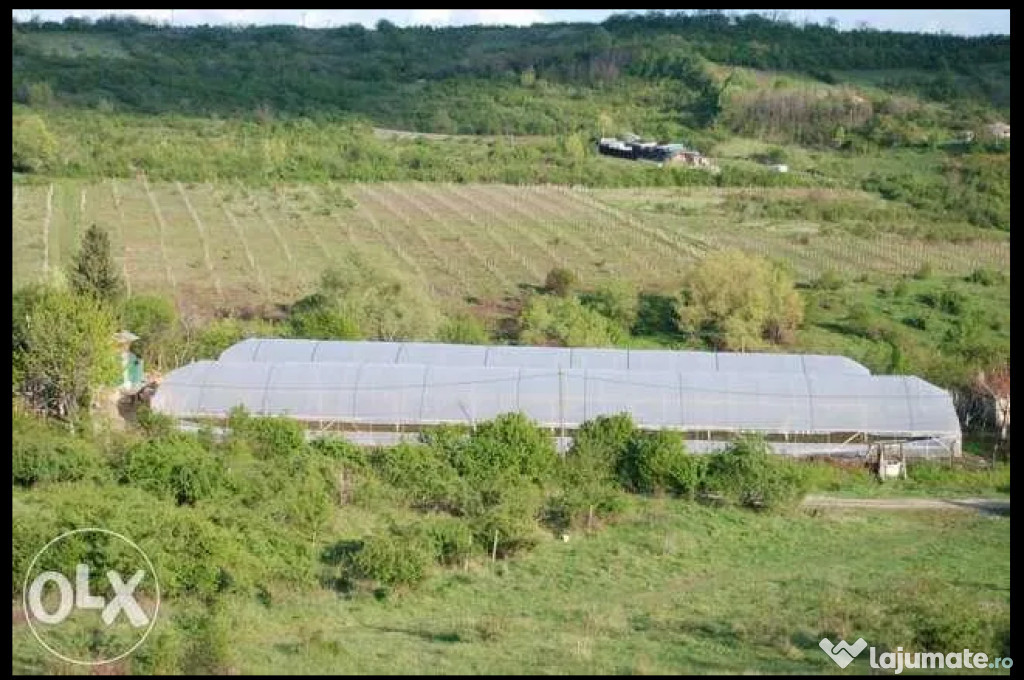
438	354
417	394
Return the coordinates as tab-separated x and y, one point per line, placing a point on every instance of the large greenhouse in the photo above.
378	393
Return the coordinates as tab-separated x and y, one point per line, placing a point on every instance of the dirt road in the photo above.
989	505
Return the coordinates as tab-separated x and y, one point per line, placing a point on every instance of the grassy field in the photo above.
673	587
228	245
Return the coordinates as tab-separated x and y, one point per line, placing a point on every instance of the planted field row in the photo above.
228	246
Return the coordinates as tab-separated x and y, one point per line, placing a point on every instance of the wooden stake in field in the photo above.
245	244
46	231
120	234
202	239
494	549
163	228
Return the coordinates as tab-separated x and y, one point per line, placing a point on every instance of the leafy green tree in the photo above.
738	301
93	272
154	319
33	146
63	350
381	305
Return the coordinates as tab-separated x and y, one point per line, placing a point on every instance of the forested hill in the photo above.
661	71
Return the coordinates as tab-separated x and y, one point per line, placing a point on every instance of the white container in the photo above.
893	470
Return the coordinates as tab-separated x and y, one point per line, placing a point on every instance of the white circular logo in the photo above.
52	598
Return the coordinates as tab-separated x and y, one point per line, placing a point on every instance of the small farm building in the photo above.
384	392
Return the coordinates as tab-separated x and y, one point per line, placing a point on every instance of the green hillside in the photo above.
654	73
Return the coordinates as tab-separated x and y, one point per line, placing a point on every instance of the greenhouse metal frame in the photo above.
443	354
830	412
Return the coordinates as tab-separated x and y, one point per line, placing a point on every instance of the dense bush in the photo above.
509	512
508	444
390	561
451	540
312	318
176	467
560	281
597	447
616	300
551	320
985	276
270	437
463	329
747	474
360	300
657	462
423	472
41	455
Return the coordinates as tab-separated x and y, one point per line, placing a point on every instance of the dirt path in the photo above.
990	505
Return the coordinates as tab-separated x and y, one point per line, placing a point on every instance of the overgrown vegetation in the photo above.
261	516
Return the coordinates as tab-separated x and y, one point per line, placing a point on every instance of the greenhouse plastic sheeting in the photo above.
439	354
396	395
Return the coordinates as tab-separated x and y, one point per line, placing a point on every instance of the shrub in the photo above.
270	437
34	149
747	474
918	322
175	467
509	511
382	305
153	423
560	281
214	338
617	300
657	461
323	324
952	302
209	641
508	444
572	505
429	481
829	280
341	450
190	553
451	540
546	320
463	329
391	561
41	455
597	447
985	276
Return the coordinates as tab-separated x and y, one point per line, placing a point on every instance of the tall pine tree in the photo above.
93	272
